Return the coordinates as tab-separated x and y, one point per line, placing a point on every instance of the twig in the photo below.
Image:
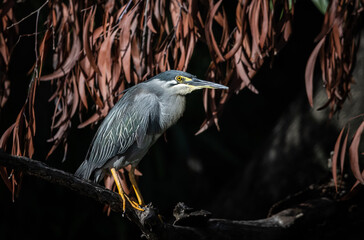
28	35
36	45
144	28
86	9
30	14
124	11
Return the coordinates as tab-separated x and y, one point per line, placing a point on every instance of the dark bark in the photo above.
309	209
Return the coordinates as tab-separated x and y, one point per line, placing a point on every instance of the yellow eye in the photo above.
179	79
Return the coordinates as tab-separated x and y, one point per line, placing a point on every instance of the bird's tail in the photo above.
83	171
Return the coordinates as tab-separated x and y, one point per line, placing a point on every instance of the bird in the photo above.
144	112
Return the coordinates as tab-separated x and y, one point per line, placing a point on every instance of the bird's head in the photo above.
179	82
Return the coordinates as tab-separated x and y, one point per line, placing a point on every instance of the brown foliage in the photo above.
97	59
337	46
353	151
7	42
336	49
6	45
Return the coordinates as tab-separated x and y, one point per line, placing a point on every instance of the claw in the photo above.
134	204
123	195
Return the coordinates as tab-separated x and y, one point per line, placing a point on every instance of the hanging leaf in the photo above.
354	154
310	69
69	63
86	40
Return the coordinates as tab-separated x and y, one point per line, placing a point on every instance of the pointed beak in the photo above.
198	83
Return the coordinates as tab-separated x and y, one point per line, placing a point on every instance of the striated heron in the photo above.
137	120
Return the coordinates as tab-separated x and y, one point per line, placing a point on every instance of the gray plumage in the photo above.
137	120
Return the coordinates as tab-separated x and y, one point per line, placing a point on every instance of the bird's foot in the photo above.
134	204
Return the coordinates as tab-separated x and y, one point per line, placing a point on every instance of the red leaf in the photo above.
92	119
61	131
309	71
75	96
330	15
355	184
343	151
86	42
210	39
336	36
354	155
126	64
264	24
242	73
95	117
205	125
150	25
4	52
254	15
334	157
182	58
135	54
104	63
191	47
81	89
69	63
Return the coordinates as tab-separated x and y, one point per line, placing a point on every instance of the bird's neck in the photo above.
172	108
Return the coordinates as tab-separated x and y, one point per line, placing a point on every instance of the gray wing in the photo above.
129	121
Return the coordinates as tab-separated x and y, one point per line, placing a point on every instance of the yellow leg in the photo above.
135	186
121	192
118	185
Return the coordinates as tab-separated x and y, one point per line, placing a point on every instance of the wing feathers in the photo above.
129	121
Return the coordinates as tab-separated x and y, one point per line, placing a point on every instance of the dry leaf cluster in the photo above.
349	146
99	50
335	51
7	43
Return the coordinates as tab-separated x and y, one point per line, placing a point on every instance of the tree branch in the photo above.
188	224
